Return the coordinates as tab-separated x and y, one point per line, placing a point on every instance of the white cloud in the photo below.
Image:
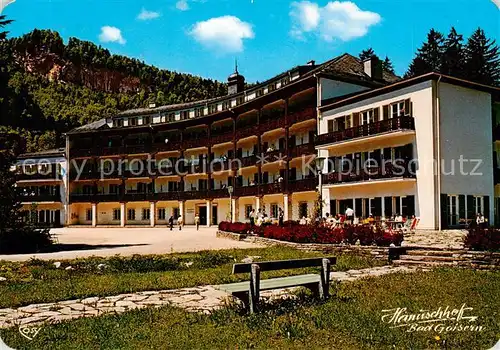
145	15
337	20
182	5
224	33
111	35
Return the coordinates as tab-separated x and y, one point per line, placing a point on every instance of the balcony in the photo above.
82	198
386	171
246	191
219	165
138	196
302	115
304	149
189	195
303	185
86	174
246	131
137	149
110	151
383	126
272	123
249	161
274	156
218	193
221	138
272	188
167	147
76	152
195	141
167	196
37	198
48	175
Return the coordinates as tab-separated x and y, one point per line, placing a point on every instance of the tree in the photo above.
366	54
453	59
482	59
387	65
3	23
429	56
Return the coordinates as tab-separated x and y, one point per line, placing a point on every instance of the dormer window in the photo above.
117	123
272	87
225	105
132	121
146	120
170	117
212	109
240	100
199	112
259	92
184	115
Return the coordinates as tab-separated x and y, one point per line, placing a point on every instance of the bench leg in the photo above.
254	292
324	286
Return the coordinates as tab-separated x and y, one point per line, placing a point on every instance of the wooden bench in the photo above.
249	291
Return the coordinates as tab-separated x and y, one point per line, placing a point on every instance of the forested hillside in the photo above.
48	87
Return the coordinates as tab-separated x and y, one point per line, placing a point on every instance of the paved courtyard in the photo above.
84	242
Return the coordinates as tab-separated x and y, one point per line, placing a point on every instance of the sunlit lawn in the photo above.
349	320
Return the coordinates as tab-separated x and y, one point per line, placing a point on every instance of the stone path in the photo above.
447	239
199	299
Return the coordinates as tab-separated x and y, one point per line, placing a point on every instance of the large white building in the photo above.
382	138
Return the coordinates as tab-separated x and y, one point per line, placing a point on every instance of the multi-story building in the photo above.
144	165
410	125
258	149
41	184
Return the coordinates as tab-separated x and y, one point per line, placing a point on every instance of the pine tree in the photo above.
453	59
429	56
3	23
482	59
365	54
387	65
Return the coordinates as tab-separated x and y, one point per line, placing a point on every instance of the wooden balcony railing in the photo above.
218	193
40	198
386	171
76	152
249	161
221	138
301	115
110	151
139	196
246	191
167	147
272	124
383	126
304	149
309	184
195	141
82	198
246	131
48	175
188	195
137	149
168	196
272	188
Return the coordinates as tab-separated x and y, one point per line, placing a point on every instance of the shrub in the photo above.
478	238
24	240
236	227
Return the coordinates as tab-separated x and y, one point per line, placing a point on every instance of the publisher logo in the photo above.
440	320
4	3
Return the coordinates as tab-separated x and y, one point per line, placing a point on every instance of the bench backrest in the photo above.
281	264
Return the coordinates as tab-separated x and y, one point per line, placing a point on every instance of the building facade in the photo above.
42	187
258	149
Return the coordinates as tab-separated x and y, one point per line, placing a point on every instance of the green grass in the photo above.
349	320
39	281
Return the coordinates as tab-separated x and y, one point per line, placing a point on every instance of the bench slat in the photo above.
281	264
272	283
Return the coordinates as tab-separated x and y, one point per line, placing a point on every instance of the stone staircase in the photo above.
447	257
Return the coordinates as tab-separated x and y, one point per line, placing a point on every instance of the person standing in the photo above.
197	221
252	217
180	222
171	222
349	215
281	217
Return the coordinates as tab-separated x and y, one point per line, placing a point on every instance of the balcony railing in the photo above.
82	198
40	198
218	193
195	141
246	191
304	149
168	196
221	138
386	171
137	149
246	131
109	151
301	115
81	152
167	147
139	196
303	185
249	161
383	126
187	195
272	188
271	124
49	175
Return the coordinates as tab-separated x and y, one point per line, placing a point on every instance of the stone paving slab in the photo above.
204	299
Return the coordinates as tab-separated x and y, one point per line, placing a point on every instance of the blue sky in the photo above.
204	37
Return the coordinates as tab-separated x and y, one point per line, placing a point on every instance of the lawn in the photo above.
39	281
351	319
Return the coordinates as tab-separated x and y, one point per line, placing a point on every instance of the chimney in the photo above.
373	67
311	63
152	105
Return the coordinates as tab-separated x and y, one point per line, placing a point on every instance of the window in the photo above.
272	87
240	100
199	112
248	209
274	210
131	214
478	205
88	215
170	117
212	109
146	214
331	125
176	213
132	121
303	209
184	115
259	92
225	105
117	123
114	189
116	214
367	117
146	120
162	214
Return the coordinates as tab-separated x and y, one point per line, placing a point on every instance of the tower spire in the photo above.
236	65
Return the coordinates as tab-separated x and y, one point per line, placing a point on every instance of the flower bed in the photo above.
486	239
293	232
